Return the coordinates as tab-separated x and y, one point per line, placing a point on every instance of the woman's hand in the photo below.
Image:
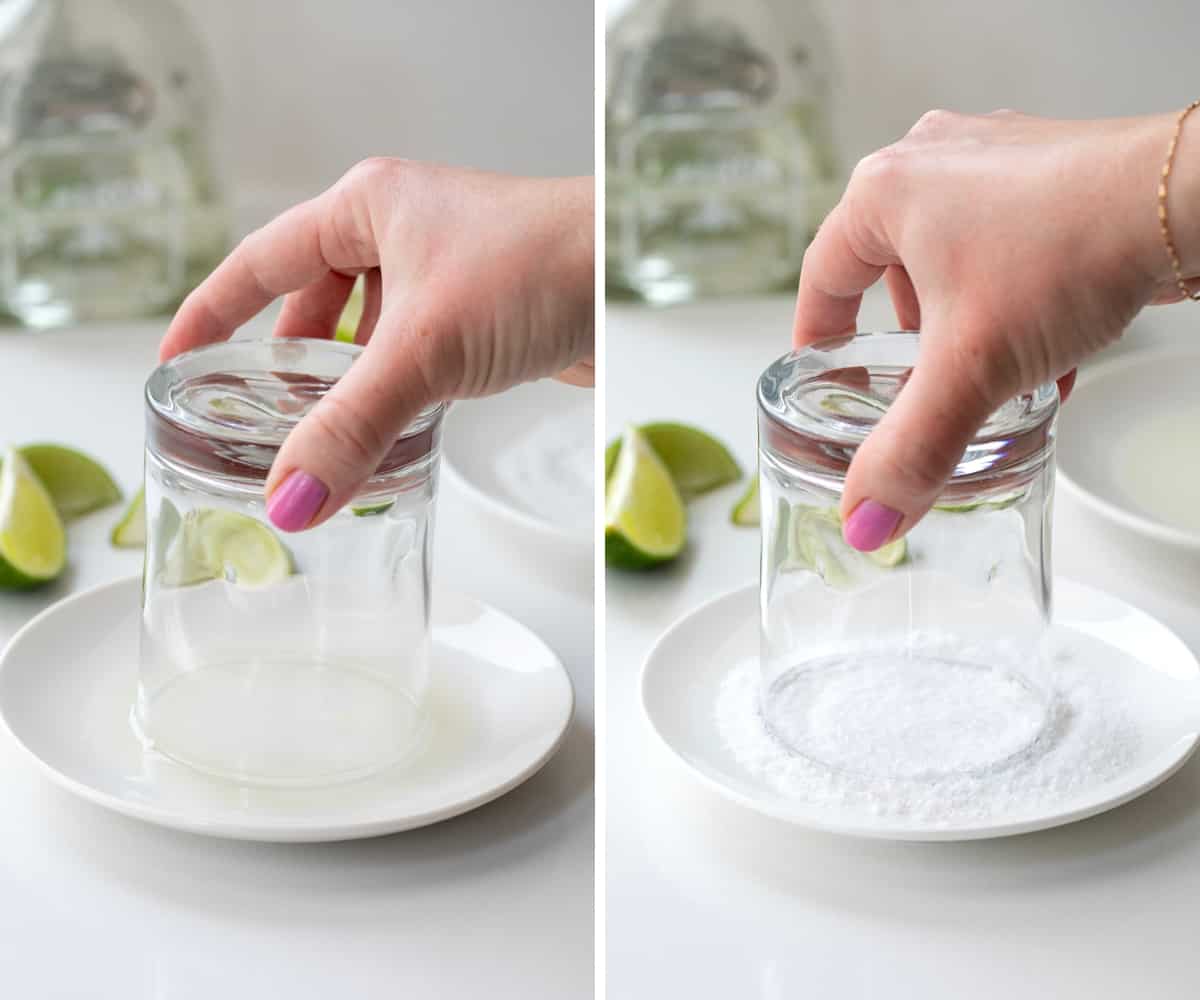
1018	246
474	282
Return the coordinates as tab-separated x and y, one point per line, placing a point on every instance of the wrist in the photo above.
1183	197
575	237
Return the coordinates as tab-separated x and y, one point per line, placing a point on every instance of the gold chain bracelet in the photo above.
1162	204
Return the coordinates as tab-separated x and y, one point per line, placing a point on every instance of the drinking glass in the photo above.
925	657
297	659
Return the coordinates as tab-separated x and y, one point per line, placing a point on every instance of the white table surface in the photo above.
708	900
496	903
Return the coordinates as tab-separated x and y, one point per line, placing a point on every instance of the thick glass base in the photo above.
904	715
280	722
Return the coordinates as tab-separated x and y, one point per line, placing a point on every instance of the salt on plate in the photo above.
941	744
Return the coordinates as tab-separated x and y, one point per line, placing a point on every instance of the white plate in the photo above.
526	456
500	704
1127	443
683	675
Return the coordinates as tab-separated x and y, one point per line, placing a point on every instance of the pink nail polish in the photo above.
296	501
870	525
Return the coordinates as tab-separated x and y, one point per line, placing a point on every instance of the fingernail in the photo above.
869	525
296	501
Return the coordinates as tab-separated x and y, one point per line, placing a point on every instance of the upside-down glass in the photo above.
926	655
273	659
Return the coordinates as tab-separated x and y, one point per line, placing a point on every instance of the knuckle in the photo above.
881	167
371	171
933	122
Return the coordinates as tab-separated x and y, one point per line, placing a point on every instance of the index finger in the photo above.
832	280
290	252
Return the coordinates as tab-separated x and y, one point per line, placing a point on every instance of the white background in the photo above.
1066	58
310	87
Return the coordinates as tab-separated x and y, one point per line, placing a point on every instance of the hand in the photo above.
1018	246
474	282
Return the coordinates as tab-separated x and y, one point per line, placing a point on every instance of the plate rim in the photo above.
281	832
811	821
1105	508
510	513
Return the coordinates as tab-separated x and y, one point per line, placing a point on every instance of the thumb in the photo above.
901	468
340	443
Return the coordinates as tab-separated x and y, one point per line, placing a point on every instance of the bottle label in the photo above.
87	218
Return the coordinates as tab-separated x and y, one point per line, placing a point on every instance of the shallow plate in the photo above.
684	672
500	704
1127	442
526	457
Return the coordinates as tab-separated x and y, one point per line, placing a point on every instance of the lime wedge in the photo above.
892	554
130	531
697	461
77	484
815	543
745	511
644	520
219	544
33	544
241	549
963	508
351	314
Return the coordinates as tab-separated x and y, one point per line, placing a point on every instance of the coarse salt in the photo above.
931	733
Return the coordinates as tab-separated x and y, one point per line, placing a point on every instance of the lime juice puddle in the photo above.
280	704
281	721
1153	463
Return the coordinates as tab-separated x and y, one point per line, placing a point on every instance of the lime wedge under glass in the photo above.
211	544
33	543
207	544
817	544
644	520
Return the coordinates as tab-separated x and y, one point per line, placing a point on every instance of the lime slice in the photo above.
644	520
130	531
351	314
745	511
697	461
370	510
220	544
33	544
77	484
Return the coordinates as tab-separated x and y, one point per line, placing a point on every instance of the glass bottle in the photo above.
916	653
719	164
110	205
